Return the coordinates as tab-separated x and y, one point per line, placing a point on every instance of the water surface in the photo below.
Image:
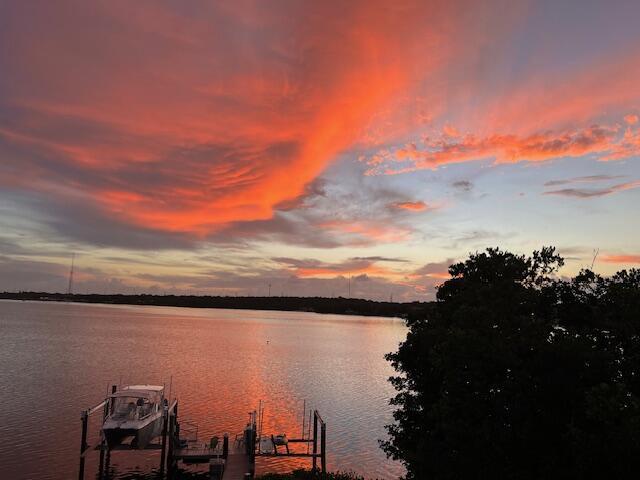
57	359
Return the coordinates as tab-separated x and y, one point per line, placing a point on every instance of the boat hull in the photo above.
142	434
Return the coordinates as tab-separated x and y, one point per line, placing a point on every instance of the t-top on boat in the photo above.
134	411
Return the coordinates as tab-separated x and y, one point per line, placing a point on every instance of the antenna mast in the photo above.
595	255
70	288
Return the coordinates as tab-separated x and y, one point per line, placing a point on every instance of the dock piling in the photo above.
163	450
315	440
83	442
323	448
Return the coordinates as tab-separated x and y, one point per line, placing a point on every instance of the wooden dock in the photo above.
198	454
237	464
237	467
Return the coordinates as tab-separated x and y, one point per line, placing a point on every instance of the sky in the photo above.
221	147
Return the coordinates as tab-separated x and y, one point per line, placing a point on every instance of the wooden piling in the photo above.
315	440
225	446
171	440
103	443
83	443
163	451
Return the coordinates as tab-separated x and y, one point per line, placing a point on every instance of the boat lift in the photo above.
239	464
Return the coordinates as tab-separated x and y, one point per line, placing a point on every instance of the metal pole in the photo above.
163	452
315	440
171	442
323	448
83	443
304	416
252	451
105	413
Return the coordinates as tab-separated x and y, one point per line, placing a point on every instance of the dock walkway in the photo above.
237	466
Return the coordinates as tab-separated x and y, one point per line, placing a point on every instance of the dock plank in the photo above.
237	465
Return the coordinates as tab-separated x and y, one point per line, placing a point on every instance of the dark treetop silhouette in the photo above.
516	374
339	305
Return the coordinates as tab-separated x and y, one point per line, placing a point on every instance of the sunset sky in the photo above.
219	147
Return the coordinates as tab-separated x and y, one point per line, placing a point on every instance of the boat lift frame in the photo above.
171	451
319	446
170	427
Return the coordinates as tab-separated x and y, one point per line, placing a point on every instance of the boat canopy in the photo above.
151	392
156	388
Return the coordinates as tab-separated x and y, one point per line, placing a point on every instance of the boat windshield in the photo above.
131	408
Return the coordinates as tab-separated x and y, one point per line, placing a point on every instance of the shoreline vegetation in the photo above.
309	475
338	305
519	373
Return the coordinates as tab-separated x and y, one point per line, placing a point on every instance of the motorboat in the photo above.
134	411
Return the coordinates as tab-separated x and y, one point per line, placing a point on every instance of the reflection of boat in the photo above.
134	411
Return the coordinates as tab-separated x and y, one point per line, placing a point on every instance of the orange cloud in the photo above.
440	275
369	230
352	267
631	119
190	120
202	119
332	272
594	90
418	206
606	141
621	259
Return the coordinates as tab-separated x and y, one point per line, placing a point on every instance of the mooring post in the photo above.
175	419
83	443
171	441
254	436
163	451
225	446
101	466
105	413
107	463
315	440
323	448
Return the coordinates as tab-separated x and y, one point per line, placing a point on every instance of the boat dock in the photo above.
227	459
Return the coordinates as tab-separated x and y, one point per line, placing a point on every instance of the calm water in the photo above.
56	359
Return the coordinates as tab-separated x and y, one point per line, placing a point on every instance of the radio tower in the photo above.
70	289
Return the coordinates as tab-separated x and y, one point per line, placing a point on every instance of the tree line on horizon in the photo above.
336	305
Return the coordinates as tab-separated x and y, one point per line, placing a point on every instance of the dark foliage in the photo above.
516	374
309	475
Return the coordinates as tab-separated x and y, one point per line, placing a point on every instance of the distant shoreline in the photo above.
338	306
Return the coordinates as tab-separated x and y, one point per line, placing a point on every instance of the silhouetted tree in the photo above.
518	374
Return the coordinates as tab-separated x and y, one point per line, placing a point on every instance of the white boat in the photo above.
134	411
